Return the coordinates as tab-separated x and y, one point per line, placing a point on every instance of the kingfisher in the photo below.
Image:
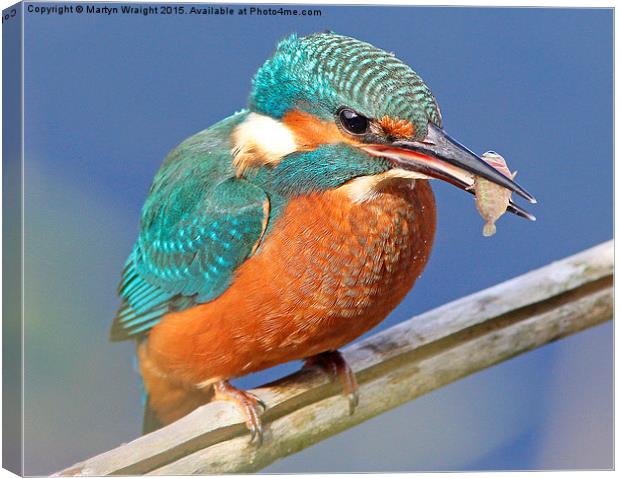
290	228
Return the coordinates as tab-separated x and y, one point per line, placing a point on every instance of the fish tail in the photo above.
488	229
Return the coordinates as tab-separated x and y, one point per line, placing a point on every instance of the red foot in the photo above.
336	367
250	405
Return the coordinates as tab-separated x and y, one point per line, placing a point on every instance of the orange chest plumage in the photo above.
329	270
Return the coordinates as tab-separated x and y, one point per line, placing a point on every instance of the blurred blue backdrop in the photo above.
107	97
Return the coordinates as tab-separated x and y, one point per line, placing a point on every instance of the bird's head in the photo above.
326	109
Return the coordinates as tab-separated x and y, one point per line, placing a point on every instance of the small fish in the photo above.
492	200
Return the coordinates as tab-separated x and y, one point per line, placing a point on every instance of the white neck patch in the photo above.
261	140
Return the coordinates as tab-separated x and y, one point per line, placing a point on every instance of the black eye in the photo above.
353	122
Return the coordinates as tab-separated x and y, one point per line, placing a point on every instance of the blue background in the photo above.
106	97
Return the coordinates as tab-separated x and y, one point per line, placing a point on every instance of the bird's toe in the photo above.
248	404
334	364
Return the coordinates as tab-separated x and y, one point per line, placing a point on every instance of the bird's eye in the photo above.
353	122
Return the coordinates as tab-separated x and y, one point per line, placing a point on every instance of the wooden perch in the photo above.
392	367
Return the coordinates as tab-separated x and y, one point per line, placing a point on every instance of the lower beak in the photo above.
439	156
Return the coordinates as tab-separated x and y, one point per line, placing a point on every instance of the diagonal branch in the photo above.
394	366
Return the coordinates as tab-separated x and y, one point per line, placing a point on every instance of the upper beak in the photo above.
439	156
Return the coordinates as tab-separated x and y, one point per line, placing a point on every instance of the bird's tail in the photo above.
150	421
165	401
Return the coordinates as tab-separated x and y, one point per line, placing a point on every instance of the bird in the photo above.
290	228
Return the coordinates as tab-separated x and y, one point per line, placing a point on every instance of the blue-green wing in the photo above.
198	225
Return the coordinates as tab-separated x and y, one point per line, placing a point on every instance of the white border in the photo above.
554	4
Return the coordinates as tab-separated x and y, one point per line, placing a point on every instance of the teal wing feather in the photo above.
198	224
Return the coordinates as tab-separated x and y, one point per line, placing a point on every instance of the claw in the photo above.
260	402
334	364
256	436
354	401
247	404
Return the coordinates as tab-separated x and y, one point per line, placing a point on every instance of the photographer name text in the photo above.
175	9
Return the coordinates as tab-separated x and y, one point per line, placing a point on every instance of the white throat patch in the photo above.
261	140
367	188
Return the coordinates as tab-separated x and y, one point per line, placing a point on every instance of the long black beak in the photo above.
439	145
439	156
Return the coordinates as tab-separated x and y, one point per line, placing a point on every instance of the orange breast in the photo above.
328	271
